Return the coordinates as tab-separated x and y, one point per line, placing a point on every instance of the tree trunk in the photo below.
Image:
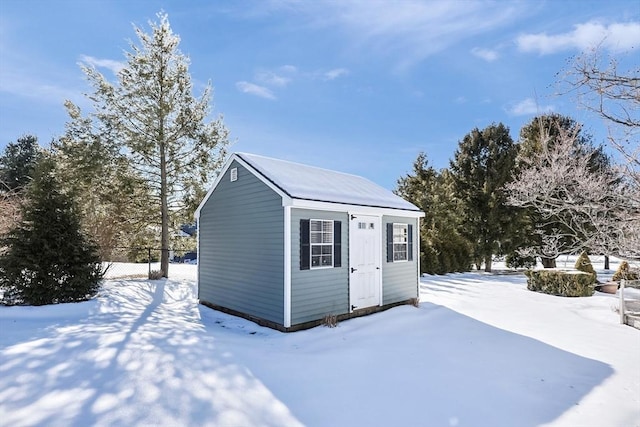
164	237
548	262
487	263
606	262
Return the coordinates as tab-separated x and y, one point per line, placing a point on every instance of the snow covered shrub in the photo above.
624	271
49	260
561	283
583	263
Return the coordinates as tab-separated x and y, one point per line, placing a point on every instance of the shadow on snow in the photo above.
148	354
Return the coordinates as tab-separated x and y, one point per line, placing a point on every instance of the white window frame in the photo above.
322	243
402	235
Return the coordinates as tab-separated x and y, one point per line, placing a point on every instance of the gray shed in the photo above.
285	244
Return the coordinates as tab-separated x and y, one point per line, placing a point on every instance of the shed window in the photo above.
234	174
321	239
399	242
320	243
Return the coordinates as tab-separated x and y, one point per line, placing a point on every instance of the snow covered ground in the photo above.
480	350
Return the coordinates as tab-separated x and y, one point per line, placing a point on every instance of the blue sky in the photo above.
356	86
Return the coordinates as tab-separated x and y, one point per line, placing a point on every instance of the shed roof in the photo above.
312	183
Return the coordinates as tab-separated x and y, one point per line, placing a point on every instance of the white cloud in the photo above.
528	106
254	89
406	31
280	77
270	78
486	54
110	64
335	73
616	37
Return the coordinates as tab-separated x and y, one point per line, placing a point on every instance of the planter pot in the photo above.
608	288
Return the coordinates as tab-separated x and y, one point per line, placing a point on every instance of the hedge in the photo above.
561	283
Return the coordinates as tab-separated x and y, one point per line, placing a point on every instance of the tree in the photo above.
482	165
18	162
151	112
609	86
114	201
16	169
49	260
582	205
543	133
442	248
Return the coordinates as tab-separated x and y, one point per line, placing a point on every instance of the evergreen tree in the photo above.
482	165
442	248
163	127
18	162
48	260
114	201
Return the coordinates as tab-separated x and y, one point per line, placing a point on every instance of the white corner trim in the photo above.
287	266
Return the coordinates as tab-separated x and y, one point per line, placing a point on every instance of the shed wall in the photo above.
241	257
400	279
318	292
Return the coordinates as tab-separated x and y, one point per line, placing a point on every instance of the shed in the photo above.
286	244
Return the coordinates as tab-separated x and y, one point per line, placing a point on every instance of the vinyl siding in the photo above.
241	258
318	292
399	279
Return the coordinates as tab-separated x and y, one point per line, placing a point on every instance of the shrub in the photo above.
515	260
583	263
561	283
624	271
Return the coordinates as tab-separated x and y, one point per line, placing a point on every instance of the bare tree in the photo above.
582	208
610	88
10	202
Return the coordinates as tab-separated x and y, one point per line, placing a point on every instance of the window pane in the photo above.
326	260
316	225
315	261
327	250
316	250
327	238
316	237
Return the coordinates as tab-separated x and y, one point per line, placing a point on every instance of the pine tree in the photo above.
482	165
48	260
152	112
17	163
442	248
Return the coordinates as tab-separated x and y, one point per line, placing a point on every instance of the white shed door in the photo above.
364	261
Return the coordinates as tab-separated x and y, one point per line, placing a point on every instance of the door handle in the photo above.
353	269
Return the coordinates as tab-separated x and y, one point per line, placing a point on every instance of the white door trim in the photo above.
377	220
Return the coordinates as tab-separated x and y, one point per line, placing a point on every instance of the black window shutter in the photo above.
410	245
389	242
305	251
337	244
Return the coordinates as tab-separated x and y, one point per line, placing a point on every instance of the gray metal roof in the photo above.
312	183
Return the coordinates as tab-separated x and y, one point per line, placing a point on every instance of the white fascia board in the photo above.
286	200
287	266
226	166
363	210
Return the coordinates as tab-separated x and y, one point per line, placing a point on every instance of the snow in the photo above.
312	183
481	350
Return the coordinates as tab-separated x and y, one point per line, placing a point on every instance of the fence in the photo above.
135	262
630	303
